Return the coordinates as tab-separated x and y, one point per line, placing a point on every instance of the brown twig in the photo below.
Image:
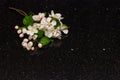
19	11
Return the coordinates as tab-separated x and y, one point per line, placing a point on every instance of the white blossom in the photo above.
31	30
46	24
49	24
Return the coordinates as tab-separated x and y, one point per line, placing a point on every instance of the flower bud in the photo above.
40	45
21	35
16	27
19	31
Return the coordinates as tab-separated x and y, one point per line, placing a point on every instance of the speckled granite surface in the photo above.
91	51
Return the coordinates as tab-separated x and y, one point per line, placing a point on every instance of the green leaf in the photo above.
45	41
58	23
40	33
28	20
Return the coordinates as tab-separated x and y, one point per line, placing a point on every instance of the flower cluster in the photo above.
41	29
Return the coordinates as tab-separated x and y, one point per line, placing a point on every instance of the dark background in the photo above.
89	52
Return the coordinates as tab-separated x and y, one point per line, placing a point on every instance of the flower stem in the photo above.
19	11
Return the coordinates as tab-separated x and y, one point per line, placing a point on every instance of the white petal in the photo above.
24	30
50	28
41	15
36	25
36	17
48	34
65	31
56	34
58	15
35	31
52	13
49	19
43	21
41	27
30	33
29	27
53	23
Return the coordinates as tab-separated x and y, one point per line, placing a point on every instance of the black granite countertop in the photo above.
91	51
